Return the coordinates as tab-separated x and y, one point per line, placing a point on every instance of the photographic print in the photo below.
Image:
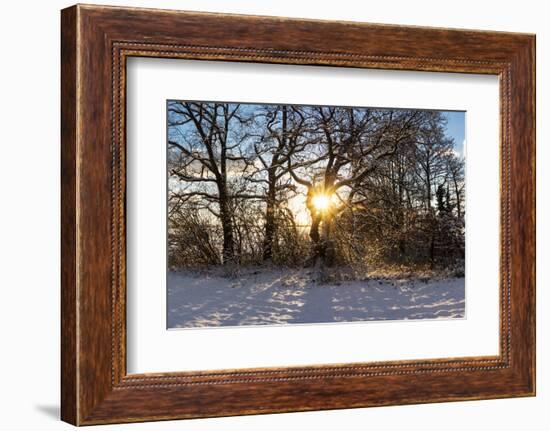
299	214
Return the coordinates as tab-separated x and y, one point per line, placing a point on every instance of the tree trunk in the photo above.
428	186
322	250
314	229
327	245
458	200
270	220
228	253
269	217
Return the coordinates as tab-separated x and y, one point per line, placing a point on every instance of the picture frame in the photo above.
96	42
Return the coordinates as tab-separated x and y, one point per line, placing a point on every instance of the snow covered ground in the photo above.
280	296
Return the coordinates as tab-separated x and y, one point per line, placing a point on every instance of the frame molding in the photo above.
96	41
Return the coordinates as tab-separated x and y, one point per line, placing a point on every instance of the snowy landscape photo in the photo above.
299	214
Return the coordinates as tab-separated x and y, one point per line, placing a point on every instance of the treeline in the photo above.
308	185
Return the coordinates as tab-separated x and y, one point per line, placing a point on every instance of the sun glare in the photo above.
321	202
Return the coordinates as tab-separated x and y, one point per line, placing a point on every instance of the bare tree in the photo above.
432	148
455	172
282	126
203	139
349	145
378	186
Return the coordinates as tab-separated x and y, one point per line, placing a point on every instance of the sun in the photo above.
321	202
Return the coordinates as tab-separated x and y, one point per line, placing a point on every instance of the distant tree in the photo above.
455	172
442	203
432	150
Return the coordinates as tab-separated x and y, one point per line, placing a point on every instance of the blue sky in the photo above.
456	128
456	124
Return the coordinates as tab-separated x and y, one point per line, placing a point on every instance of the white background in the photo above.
29	216
151	348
